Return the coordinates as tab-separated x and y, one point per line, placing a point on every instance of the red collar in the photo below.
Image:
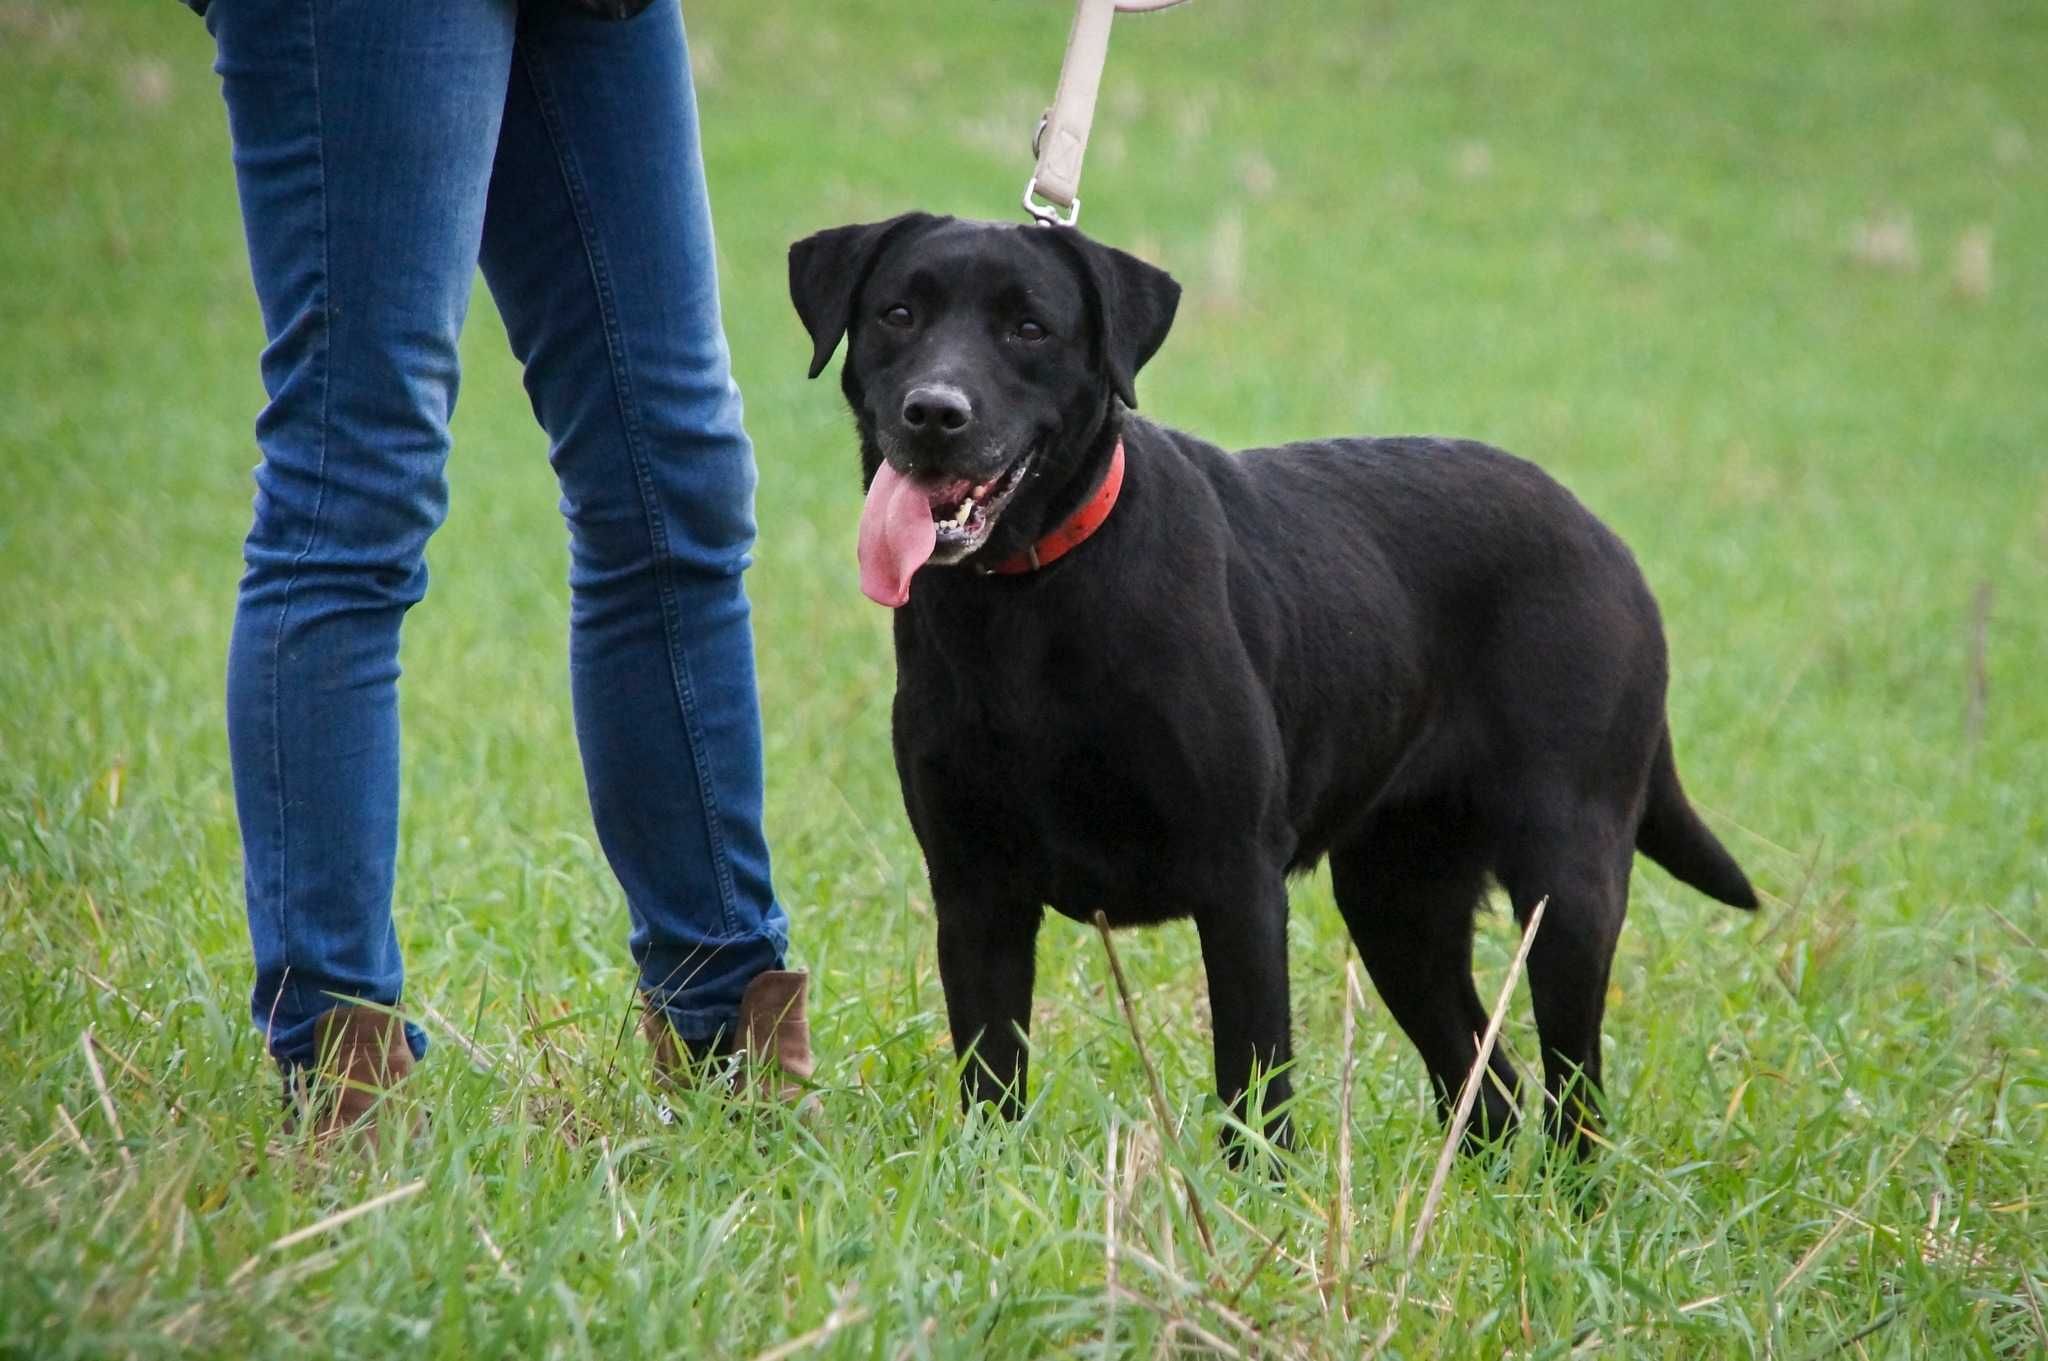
1065	537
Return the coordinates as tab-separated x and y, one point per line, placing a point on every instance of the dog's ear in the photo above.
1135	303
826	271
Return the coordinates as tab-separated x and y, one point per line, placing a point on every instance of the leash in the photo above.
1062	137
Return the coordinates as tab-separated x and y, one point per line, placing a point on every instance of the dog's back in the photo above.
1431	619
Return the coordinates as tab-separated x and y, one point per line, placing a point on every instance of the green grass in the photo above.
1627	240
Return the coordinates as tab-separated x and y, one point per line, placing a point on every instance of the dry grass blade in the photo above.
1109	1211
1469	1093
2034	1307
611	1186
1843	1218
26	1166
1596	1341
1266	1257
132	1071
2019	934
99	1082
333	1221
1338	1249
72	1133
1158	1090
840	1317
476	1052
1178	1322
1460	1117
1193	1290
353	1212
1794	905
922	1337
491	1246
110	990
1273	1245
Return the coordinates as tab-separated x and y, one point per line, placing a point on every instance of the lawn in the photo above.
1765	283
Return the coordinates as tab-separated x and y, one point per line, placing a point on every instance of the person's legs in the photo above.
363	140
597	246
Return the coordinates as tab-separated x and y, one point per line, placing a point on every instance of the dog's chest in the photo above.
1078	787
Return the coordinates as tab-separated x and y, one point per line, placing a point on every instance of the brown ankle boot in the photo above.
774	1038
362	1055
778	1034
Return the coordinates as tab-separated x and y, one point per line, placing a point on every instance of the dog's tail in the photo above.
1672	834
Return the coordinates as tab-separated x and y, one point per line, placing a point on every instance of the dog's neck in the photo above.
1099	445
1076	529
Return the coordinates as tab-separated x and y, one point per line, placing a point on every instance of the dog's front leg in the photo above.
986	964
1244	950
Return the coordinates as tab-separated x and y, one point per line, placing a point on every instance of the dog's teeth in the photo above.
959	520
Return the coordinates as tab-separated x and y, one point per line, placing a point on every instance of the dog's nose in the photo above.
937	410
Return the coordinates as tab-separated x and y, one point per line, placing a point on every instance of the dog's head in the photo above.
984	363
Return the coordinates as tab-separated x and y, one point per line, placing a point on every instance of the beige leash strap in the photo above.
1062	140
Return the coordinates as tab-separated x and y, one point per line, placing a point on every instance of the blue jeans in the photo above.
383	151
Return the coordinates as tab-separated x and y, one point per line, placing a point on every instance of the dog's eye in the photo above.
1031	330
897	316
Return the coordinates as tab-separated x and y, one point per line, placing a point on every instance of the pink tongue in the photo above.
896	537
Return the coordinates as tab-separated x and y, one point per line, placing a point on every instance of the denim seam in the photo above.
679	667
321	347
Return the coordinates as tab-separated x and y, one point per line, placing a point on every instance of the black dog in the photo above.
1419	657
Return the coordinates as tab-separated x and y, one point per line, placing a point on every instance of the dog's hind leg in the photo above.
1580	861
987	965
1244	951
1408	886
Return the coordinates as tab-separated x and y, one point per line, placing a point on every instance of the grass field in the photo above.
1765	283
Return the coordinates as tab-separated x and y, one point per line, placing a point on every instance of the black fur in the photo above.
1421	658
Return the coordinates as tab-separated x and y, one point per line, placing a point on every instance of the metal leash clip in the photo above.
1047	214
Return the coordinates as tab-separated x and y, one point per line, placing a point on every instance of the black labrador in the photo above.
1155	679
